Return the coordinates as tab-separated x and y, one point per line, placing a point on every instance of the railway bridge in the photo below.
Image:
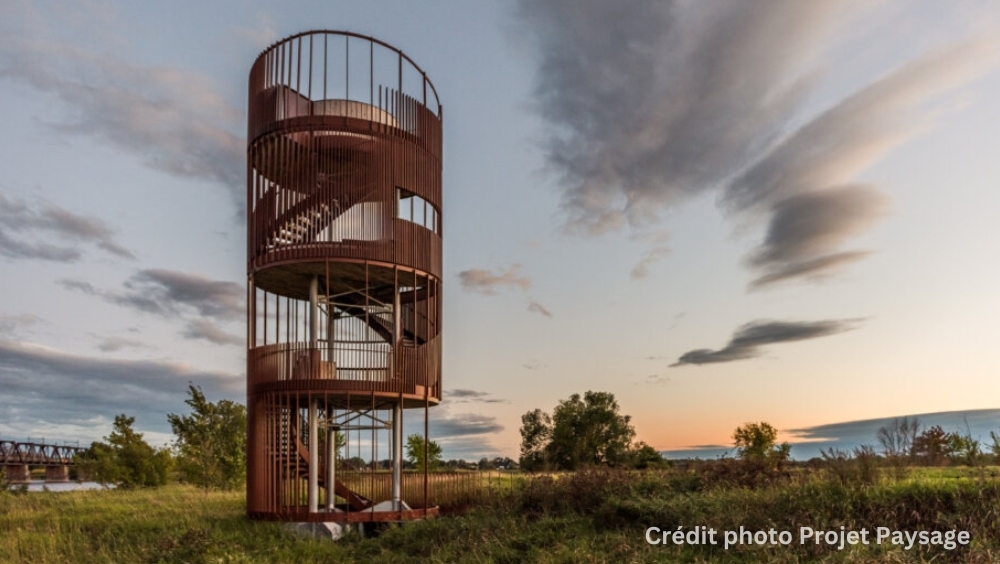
17	458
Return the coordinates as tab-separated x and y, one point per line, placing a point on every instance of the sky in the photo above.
720	212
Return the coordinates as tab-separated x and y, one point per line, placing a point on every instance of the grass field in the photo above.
584	517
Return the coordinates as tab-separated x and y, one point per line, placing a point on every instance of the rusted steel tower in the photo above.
344	277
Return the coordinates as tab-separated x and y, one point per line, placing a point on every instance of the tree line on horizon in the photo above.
583	431
208	451
588	431
905	440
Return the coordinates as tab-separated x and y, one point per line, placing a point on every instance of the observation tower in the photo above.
343	278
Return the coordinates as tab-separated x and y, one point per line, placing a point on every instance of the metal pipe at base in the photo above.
313	457
313	405
331	465
397	456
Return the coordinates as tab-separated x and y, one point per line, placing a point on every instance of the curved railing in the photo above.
342	74
408	370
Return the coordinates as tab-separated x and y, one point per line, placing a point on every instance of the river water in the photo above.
41	485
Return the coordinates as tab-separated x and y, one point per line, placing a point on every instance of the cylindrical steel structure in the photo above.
344	231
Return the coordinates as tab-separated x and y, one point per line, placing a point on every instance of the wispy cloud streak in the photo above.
169	292
806	231
465	395
200	302
36	223
206	330
173	119
538	308
748	339
648	106
487	282
48	387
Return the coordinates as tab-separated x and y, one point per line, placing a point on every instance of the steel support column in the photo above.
331	466
397	456
313	456
313	404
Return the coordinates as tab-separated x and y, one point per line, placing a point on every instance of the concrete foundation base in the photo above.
17	473
57	473
332	531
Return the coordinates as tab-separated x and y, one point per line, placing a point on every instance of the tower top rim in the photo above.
356	35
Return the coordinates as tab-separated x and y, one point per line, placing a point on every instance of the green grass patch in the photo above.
593	516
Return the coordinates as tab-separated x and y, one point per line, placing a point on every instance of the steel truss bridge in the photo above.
37	454
17	457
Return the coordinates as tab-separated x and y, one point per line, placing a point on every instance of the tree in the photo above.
933	445
415	451
125	459
896	438
995	447
536	432
757	442
339	442
964	448
211	442
355	463
645	456
581	432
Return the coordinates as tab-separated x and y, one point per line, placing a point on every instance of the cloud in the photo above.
45	220
45	387
748	339
813	269
451	426
656	380
11	324
461	395
653	104
658	251
168	293
173	119
703	452
464	435
208	331
115	344
649	106
861	129
536	307
486	282
211	298
17	249
806	229
470	448
198	300
804	179
807	441
865	430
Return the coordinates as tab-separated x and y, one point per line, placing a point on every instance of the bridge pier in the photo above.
17	473
57	473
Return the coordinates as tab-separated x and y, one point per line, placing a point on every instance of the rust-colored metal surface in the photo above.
344	230
37	454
